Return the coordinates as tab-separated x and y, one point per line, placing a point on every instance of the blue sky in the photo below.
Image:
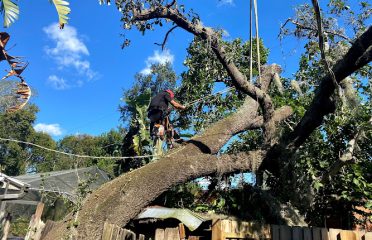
79	73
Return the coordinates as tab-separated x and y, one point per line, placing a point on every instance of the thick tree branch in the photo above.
171	4
245	118
358	56
122	199
238	79
321	41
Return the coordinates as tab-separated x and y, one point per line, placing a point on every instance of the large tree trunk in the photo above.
123	198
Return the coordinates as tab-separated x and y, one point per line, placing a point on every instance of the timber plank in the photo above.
333	233
275	232
317	235
285	233
368	236
217	233
182	231
159	234
324	233
307	234
347	235
297	233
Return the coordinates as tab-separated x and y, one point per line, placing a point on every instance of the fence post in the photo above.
316	233
285	233
275	232
324	233
307	234
217	231
297	233
333	233
36	225
159	234
347	235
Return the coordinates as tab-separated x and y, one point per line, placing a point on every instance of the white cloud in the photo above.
158	58
51	129
57	82
226	2
69	50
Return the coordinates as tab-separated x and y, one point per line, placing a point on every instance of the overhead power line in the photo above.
74	155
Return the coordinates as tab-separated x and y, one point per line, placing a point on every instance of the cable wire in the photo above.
71	154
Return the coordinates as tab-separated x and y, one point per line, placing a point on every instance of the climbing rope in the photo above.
254	3
208	96
250	44
71	154
257	42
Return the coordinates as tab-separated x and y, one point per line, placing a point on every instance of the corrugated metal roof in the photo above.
188	218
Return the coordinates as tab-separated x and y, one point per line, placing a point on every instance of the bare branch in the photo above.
315	30
165	38
169	5
321	41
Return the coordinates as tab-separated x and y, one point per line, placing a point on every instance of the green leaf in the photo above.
318	185
10	10
136	144
63	10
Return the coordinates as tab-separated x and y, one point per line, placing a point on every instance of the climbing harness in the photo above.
18	93
163	131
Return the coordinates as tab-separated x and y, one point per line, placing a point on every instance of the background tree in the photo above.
15	157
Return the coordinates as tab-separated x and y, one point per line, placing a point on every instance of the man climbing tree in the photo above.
159	111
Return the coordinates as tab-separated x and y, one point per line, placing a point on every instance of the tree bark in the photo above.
123	198
359	55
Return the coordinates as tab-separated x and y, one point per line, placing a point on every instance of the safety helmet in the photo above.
170	93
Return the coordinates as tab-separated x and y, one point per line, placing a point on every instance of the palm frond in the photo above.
63	10
10	11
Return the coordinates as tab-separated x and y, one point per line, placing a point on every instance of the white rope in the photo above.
208	96
71	154
250	44
258	42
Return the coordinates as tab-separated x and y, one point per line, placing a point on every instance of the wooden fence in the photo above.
229	229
